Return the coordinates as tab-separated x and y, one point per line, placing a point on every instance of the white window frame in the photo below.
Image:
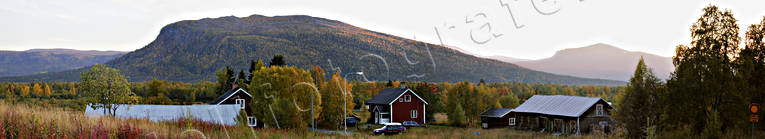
599	110
400	99
241	103
511	122
252	121
408	98
413	114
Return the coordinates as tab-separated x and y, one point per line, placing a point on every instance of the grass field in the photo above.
31	121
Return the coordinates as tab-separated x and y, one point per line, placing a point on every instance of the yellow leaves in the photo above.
47	90
37	89
24	91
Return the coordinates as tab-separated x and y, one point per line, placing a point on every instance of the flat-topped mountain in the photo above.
192	50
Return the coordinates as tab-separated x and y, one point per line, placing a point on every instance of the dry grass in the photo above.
31	121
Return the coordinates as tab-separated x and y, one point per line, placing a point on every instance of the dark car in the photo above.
412	124
352	121
390	128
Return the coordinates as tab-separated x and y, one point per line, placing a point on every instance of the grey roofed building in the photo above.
496	117
495	112
219	114
570	106
387	95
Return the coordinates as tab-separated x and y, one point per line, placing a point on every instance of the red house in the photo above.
397	105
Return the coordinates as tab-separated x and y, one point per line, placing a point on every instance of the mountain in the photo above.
495	57
193	50
34	61
506	59
601	61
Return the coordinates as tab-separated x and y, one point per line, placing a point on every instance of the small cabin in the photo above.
241	98
496	117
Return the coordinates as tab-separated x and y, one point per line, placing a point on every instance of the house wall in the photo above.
590	122
247	100
247	105
497	122
372	110
402	110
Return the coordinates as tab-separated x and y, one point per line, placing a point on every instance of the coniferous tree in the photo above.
240	79
637	107
225	80
278	60
457	117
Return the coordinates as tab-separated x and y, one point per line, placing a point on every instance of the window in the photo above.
251	121
511	121
400	99
599	110
408	98
240	102
413	113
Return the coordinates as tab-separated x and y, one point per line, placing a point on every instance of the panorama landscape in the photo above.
381	69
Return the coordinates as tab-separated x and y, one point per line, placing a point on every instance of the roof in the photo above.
571	106
388	95
382	109
220	114
228	94
392	124
495	112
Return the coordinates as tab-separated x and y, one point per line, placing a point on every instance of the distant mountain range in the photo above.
192	50
601	61
506	59
495	57
34	61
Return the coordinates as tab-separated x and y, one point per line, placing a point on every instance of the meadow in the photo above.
32	121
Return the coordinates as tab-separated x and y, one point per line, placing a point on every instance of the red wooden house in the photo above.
397	105
241	98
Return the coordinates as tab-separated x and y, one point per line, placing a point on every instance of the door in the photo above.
377	117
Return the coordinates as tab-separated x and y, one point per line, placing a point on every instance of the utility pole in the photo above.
345	101
313	122
315	83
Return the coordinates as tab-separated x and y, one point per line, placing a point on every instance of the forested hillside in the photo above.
15	63
193	50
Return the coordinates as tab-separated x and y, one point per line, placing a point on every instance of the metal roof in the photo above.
228	94
571	106
220	114
386	96
495	112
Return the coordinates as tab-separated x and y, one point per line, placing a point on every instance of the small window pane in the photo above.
240	102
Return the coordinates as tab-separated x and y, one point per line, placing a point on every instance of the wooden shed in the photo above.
496	117
564	114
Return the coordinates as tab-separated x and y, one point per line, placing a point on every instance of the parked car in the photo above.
412	124
390	128
352	120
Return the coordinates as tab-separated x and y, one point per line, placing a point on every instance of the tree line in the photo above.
708	94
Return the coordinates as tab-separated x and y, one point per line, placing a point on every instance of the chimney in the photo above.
234	86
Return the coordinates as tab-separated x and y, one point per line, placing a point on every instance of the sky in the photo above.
527	29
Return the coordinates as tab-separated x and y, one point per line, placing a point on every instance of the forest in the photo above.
707	95
279	80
